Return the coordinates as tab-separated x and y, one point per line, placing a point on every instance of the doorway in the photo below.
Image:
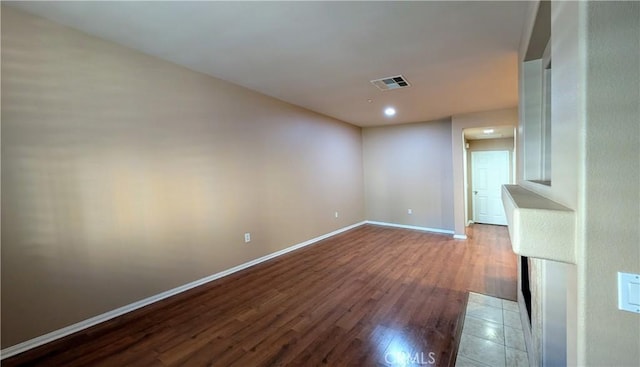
489	163
489	171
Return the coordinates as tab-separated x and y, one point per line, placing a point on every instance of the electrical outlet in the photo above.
336	214
247	237
409	211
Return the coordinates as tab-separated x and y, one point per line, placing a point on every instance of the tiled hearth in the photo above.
492	335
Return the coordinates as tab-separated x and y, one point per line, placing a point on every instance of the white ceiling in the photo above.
499	132
458	56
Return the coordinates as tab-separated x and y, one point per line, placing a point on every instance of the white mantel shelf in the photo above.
539	227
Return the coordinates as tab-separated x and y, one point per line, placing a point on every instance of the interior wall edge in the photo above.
404	226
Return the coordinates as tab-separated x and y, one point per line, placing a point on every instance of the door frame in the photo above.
466	174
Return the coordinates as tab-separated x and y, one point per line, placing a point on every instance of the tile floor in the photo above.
492	334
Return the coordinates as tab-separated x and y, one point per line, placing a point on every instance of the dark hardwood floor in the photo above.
367	297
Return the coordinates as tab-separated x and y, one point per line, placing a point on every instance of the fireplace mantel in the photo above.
539	227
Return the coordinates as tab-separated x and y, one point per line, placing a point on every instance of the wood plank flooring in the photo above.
372	296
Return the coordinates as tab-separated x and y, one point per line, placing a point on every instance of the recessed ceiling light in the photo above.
488	131
390	111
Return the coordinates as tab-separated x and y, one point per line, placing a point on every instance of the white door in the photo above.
489	171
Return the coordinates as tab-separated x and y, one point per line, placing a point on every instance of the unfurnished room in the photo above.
320	183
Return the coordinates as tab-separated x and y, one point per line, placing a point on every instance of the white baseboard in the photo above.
435	230
60	333
460	236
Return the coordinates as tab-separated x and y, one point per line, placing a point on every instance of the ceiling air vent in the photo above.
392	82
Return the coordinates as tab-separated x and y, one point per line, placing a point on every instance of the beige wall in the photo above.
504	117
124	176
409	167
611	191
595	171
485	145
